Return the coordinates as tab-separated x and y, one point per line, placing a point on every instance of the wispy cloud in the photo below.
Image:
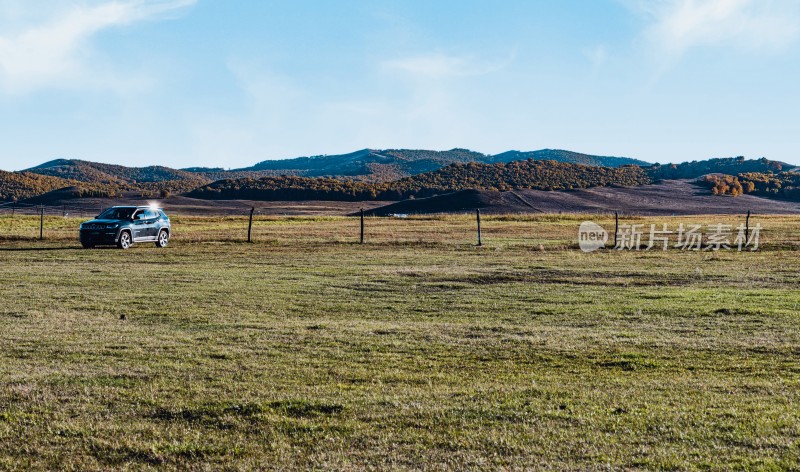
440	66
597	55
50	50
675	26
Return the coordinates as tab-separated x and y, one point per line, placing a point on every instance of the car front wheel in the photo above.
124	240
163	239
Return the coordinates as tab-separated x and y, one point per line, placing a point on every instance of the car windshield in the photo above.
117	214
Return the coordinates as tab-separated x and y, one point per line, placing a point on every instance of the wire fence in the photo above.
26	222
14	208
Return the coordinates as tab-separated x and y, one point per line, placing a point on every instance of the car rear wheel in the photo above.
124	240
163	238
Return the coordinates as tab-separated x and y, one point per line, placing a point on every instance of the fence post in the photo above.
250	225
41	222
747	227
478	217
616	227
362	226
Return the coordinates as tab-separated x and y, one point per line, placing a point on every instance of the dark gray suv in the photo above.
124	225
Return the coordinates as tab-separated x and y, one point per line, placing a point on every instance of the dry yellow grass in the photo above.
416	350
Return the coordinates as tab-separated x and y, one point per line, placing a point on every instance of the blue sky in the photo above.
229	83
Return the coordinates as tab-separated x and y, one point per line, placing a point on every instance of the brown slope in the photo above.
670	197
21	185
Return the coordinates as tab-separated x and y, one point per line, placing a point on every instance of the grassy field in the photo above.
416	350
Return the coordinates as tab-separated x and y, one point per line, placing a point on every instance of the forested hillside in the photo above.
567	157
391	164
369	165
728	165
393	174
529	174
94	172
109	179
784	185
542	175
20	185
141	178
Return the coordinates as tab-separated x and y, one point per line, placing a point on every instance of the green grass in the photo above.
417	350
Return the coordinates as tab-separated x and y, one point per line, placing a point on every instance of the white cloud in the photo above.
679	25
440	66
42	50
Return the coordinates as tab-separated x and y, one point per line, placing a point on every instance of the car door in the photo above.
140	226
152	223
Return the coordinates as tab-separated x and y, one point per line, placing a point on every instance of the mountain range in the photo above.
364	165
377	168
391	164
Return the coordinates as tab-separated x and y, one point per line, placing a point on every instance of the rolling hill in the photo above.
133	178
391	164
370	165
569	157
109	179
94	172
530	174
727	165
372	174
21	185
668	197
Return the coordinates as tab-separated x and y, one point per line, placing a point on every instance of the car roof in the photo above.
142	207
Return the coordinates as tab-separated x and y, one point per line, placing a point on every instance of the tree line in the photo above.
726	165
529	174
785	185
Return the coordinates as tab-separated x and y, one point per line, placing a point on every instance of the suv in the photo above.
125	225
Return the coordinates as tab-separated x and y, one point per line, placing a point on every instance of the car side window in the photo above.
151	214
139	215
